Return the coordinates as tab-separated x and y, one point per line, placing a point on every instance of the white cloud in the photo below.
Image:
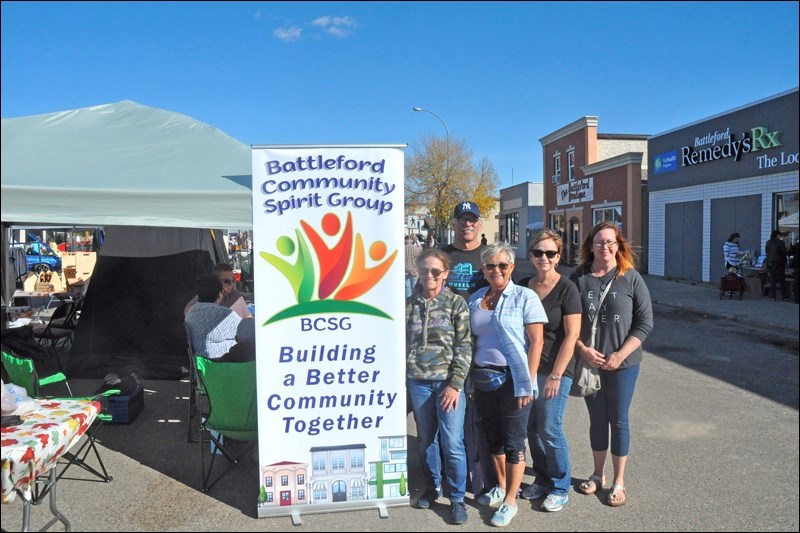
336	26
287	34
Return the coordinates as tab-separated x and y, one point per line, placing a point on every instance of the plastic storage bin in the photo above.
125	409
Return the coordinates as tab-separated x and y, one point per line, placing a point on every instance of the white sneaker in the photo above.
504	515
493	497
555	502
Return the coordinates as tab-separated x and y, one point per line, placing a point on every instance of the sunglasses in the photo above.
491	266
227	281
435	272
549	253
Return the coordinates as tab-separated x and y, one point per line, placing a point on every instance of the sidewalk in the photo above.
780	318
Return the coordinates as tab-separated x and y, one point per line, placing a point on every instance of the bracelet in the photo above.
555	377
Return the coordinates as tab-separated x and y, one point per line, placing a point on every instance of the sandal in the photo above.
618	496
592	485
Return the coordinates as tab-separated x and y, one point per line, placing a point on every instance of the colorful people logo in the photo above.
346	257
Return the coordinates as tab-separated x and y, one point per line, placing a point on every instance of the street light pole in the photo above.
447	132
447	146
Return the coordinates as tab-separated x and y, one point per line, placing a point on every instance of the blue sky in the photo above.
501	75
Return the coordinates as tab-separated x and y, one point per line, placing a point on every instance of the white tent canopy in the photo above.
123	164
788	223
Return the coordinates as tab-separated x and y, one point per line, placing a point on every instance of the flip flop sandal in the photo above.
618	496
592	485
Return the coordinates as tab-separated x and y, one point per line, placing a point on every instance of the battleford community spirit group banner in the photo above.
330	329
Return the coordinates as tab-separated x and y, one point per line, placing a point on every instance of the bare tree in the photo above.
438	176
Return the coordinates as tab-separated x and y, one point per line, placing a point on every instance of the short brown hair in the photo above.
545	235
434	252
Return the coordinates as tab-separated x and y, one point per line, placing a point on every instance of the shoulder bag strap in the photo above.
600	307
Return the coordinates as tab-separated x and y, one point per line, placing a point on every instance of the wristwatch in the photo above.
555	377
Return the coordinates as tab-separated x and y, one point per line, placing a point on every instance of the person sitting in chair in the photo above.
212	327
230	296
245	348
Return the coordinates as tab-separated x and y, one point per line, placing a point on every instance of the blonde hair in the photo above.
545	235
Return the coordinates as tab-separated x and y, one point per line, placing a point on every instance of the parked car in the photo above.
39	257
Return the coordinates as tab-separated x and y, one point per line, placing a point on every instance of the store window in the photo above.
611	214
558	224
785	215
510	228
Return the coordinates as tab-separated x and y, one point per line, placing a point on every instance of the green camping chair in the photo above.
196	391
231	392
22	372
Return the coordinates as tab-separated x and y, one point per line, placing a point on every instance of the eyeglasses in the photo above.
549	253
465	219
491	266
227	281
435	272
600	244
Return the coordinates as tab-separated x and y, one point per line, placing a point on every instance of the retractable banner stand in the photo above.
330	335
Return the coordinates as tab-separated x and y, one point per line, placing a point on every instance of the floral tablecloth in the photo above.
35	446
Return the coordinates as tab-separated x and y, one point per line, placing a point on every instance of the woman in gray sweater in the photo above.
624	322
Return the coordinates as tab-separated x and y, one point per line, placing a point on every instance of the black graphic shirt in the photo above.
465	273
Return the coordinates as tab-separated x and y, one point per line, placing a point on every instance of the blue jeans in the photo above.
546	438
608	410
411	282
435	428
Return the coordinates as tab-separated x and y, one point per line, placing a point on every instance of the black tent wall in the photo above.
132	317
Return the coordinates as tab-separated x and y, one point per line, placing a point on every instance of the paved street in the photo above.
714	444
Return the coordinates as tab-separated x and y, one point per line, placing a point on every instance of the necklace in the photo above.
491	299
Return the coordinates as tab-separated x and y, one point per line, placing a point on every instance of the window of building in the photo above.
357	460
284	481
575	238
611	214
399	455
269	497
785	215
558	224
337	461
571	164
268	481
320	494
557	167
301	495
301	479
509	230
318	463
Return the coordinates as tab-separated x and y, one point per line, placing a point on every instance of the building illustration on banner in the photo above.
338	474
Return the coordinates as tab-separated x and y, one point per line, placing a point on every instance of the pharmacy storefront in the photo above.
734	172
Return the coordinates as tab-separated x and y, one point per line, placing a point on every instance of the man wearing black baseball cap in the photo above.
465	252
466	277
